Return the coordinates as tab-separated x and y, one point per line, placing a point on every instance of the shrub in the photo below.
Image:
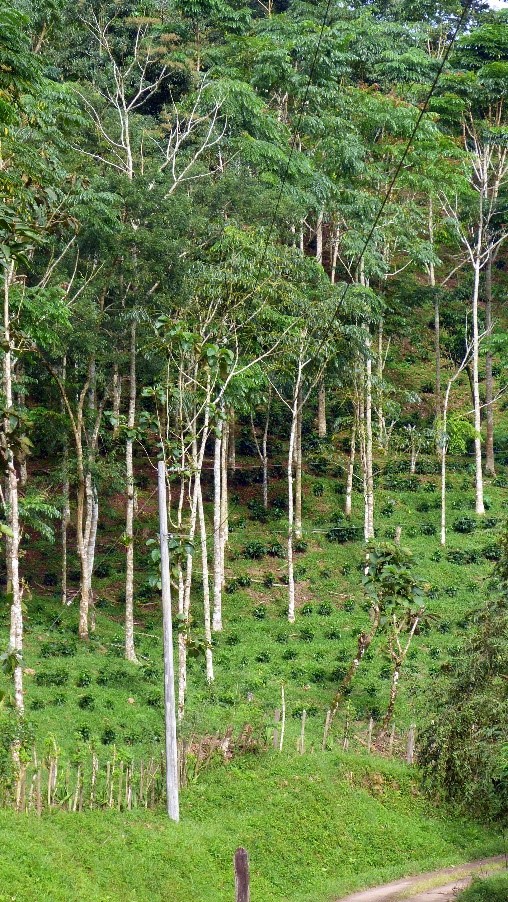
490	522
333	635
463	557
262	658
300	546
260	612
58	650
232	639
492	552
289	654
318	489
343	534
306	635
254	551
108	736
492	889
428	529
84	679
115	677
325	609
436	556
275	549
465	525
57	677
307	609
86	702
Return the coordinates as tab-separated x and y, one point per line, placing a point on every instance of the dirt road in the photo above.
436	886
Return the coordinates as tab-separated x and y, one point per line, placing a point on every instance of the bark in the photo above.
206	589
232	441
298	470
350	470
130	651
322	409
117	399
66	518
291	502
479	505
217	538
263	449
490	466
224	499
369	477
16	621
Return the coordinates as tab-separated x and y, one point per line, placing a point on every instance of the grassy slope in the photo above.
315	827
493	889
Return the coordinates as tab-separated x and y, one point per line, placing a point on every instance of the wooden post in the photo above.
283	724
398	534
410	755
301	744
242	876
173	806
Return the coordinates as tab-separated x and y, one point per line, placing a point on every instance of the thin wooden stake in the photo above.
283	724
302	733
242	876
410	753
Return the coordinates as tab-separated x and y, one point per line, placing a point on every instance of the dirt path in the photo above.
436	886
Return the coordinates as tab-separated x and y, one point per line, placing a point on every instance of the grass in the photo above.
316	826
490	889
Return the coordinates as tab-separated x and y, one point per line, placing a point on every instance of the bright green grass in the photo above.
315	827
492	889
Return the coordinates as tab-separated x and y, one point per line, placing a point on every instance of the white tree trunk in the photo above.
217	533
298	470
206	589
16	625
479	505
369	477
169	673
350	470
291	504
322	409
130	651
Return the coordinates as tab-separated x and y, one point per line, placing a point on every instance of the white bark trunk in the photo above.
16	625
479	504
130	650
322	409
206	589
350	470
291	505
217	537
369	477
298	470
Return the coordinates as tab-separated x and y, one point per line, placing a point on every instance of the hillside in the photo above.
315	826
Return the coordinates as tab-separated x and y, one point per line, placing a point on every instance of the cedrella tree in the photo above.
478	92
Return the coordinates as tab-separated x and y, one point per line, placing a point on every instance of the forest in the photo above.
254	446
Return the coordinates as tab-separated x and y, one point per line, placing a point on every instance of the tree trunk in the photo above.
350	470
224	499
291	504
232	441
130	651
16	625
117	399
298	470
217	533
206	589
479	505
490	466
322	409
66	518
369	477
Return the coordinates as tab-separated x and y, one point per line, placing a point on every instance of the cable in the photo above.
393	180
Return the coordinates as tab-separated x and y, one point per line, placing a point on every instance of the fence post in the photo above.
301	743
242	876
410	755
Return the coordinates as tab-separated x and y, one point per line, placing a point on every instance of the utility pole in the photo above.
169	671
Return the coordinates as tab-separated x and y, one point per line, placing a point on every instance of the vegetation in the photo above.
492	889
253	265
